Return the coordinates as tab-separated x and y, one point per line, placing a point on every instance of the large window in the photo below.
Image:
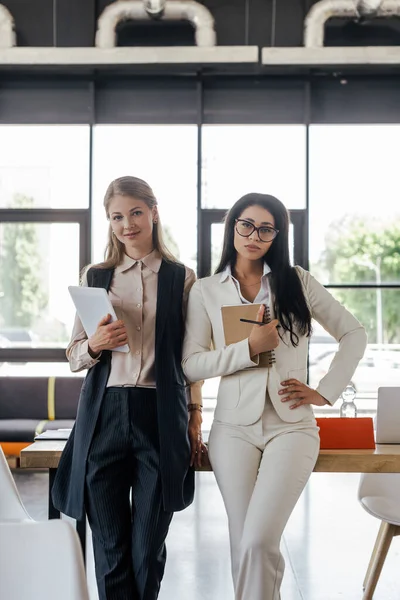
165	157
238	159
354	225
44	166
52	222
44	234
37	263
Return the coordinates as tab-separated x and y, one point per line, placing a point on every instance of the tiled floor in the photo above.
326	545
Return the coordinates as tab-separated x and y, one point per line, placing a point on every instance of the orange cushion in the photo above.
14	448
346	433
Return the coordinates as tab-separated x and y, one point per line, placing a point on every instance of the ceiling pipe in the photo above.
186	10
368	8
154	8
7	34
321	12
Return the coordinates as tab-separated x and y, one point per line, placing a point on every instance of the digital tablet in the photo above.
92	304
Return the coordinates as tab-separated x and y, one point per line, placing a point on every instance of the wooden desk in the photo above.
384	459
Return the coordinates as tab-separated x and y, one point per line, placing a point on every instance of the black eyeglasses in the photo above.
265	233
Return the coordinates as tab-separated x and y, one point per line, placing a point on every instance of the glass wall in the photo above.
354	233
37	263
350	193
238	159
165	157
44	200
44	166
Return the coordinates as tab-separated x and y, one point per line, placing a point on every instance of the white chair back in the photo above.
379	494
41	560
11	506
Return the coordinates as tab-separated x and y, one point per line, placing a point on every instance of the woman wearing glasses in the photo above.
264	440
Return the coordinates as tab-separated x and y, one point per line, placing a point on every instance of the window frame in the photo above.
80	217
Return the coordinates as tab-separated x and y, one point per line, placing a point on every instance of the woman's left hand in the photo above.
301	393
198	449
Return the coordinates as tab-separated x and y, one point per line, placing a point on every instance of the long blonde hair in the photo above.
139	189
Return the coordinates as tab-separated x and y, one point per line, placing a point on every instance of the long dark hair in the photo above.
290	305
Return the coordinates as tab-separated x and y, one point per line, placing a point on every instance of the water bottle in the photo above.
348	407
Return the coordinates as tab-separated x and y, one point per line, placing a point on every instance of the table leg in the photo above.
81	531
53	512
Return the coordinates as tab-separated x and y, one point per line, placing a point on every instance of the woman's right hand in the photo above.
263	337
107	336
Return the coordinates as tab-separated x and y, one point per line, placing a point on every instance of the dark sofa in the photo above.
30	405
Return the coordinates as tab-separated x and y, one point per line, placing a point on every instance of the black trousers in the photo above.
128	536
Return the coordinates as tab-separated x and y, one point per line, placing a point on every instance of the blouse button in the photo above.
137	352
138	305
138	328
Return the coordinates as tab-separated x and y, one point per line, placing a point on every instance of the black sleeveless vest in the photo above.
176	475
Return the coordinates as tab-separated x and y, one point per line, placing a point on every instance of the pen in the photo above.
254	322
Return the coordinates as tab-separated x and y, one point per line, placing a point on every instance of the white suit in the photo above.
260	470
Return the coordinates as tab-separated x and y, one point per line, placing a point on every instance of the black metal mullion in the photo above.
205	257
84	243
363	286
200	240
214	215
307	119
208	216
300	255
42	215
22	355
88	258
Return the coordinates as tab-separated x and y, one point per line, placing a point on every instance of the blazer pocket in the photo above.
228	392
299	374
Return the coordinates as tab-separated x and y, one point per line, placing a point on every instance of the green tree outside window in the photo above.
21	297
366	251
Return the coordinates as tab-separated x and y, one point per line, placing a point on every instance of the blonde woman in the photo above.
132	436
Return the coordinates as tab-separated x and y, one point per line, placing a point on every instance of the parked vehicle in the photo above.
18	337
379	367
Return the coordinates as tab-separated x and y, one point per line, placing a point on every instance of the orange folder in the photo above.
346	433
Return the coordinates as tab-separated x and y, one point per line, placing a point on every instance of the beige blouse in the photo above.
133	293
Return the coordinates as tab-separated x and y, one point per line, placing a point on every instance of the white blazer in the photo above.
243	385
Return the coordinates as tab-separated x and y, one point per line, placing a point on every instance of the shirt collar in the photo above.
152	261
227	272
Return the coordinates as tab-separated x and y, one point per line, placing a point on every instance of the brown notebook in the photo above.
236	331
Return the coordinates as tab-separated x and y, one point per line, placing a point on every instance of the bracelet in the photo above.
192	406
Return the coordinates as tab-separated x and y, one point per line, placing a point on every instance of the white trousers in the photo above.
261	471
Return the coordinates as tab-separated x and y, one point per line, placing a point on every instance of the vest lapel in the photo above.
165	282
100	277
